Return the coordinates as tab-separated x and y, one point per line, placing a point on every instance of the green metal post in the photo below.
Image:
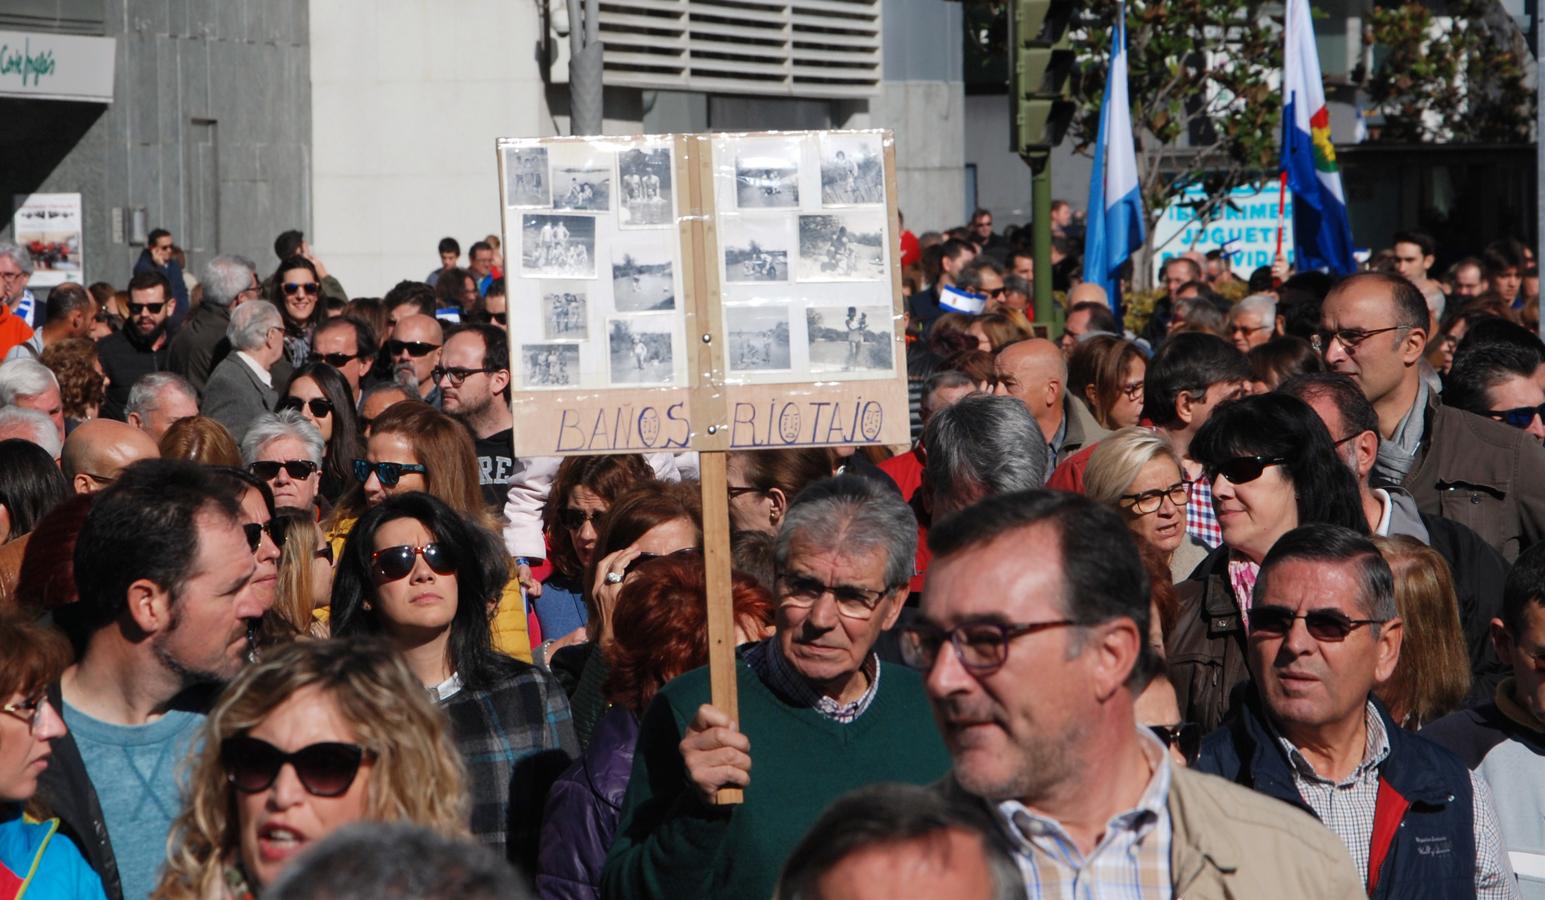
1040	234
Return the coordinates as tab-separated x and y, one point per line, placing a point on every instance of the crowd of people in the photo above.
1245	597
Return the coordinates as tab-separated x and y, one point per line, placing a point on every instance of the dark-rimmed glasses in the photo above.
458	374
853	602
395	563
1183	736
153	308
1328	625
575	519
320	407
339	360
415	349
1518	417
310	288
254	532
982	647
1149	502
1241	469
388	473
268	469
325	769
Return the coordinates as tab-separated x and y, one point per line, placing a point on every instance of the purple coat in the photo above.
580	817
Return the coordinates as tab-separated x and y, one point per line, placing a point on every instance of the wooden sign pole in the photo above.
721	606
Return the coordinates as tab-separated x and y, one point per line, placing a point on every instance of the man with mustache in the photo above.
1324	629
820	713
1033	641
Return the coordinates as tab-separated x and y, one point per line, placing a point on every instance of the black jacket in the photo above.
201	344
126	362
65	790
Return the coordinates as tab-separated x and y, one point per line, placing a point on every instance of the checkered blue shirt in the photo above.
1201	518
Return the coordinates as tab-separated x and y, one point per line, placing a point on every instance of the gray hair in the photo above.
396	861
22	258
227	276
146	393
856	514
1264	305
250	324
970	275
382	387
981	446
284	423
24	378
30	425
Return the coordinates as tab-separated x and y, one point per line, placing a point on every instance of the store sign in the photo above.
1245	230
56	66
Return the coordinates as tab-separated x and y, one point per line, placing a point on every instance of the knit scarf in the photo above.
1397	455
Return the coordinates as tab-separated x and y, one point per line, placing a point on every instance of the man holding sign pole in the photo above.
821	714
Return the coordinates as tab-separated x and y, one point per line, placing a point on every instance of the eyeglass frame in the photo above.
1158	496
1008	632
1319	340
458	374
33	719
871	600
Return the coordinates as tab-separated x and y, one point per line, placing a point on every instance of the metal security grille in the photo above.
798	48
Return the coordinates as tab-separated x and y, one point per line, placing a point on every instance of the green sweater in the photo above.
673	846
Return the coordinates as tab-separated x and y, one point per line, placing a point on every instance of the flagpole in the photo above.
1282	193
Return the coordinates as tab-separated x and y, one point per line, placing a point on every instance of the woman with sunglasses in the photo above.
1138	472
285	450
1272	467
35	860
319	735
415	447
1106	374
296	289
424	576
305	571
583	490
318	392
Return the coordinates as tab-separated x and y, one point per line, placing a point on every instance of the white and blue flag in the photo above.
1116	225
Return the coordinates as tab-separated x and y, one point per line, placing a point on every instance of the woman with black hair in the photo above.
425	577
296	289
319	393
1272	467
30	486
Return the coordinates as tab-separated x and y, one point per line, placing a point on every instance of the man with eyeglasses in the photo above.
1497	380
1253	321
820	713
983	276
21	312
140	347
1324	630
414	349
163	617
99	450
160	257
229	281
1033	642
474	381
241	388
1480	473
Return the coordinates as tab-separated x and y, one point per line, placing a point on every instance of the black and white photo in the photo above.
841	247
849	338
639	349
643	278
644	188
852	170
562	246
565	311
758	338
767	175
549	365
525	177
586	188
756	250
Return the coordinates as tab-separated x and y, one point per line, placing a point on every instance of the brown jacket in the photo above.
1483	474
1205	649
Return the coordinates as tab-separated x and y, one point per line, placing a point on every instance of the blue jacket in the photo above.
1433	850
37	863
582	810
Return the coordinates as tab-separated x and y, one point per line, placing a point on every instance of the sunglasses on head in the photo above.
320	407
1520	417
154	309
268	469
397	562
1323	624
1184	736
414	349
1242	469
388	473
325	769
310	288
254	532
339	360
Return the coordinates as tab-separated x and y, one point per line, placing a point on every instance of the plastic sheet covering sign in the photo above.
48	227
703	292
1247	232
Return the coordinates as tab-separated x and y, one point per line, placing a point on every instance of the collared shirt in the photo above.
1131	862
1347	808
445	690
1054	447
261	373
767	661
1201	518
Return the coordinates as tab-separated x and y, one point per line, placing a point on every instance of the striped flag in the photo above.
1116	225
1321	231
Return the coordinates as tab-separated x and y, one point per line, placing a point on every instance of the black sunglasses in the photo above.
498	317
397	562
268	469
254	532
1184	736
325	769
389	473
320	407
1520	417
1328	625
415	349
575	519
1242	469
153	308
339	360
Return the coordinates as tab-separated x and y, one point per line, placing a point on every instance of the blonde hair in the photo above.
1433	674
1116	460
417	774
297	557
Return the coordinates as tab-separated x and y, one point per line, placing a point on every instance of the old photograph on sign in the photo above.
639	349
841	247
557	245
758	338
565	311
849	338
642	277
756	249
525	177
544	366
767	175
644	185
852	170
582	187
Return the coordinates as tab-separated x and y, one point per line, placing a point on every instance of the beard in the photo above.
1026	770
140	338
402	374
188	674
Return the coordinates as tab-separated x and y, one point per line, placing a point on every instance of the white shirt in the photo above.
258	370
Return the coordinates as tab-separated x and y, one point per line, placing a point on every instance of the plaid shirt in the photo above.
1347	808
508	734
1131	861
766	660
1201	518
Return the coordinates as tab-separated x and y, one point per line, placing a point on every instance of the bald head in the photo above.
415	350
1087	292
1034	372
99	449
